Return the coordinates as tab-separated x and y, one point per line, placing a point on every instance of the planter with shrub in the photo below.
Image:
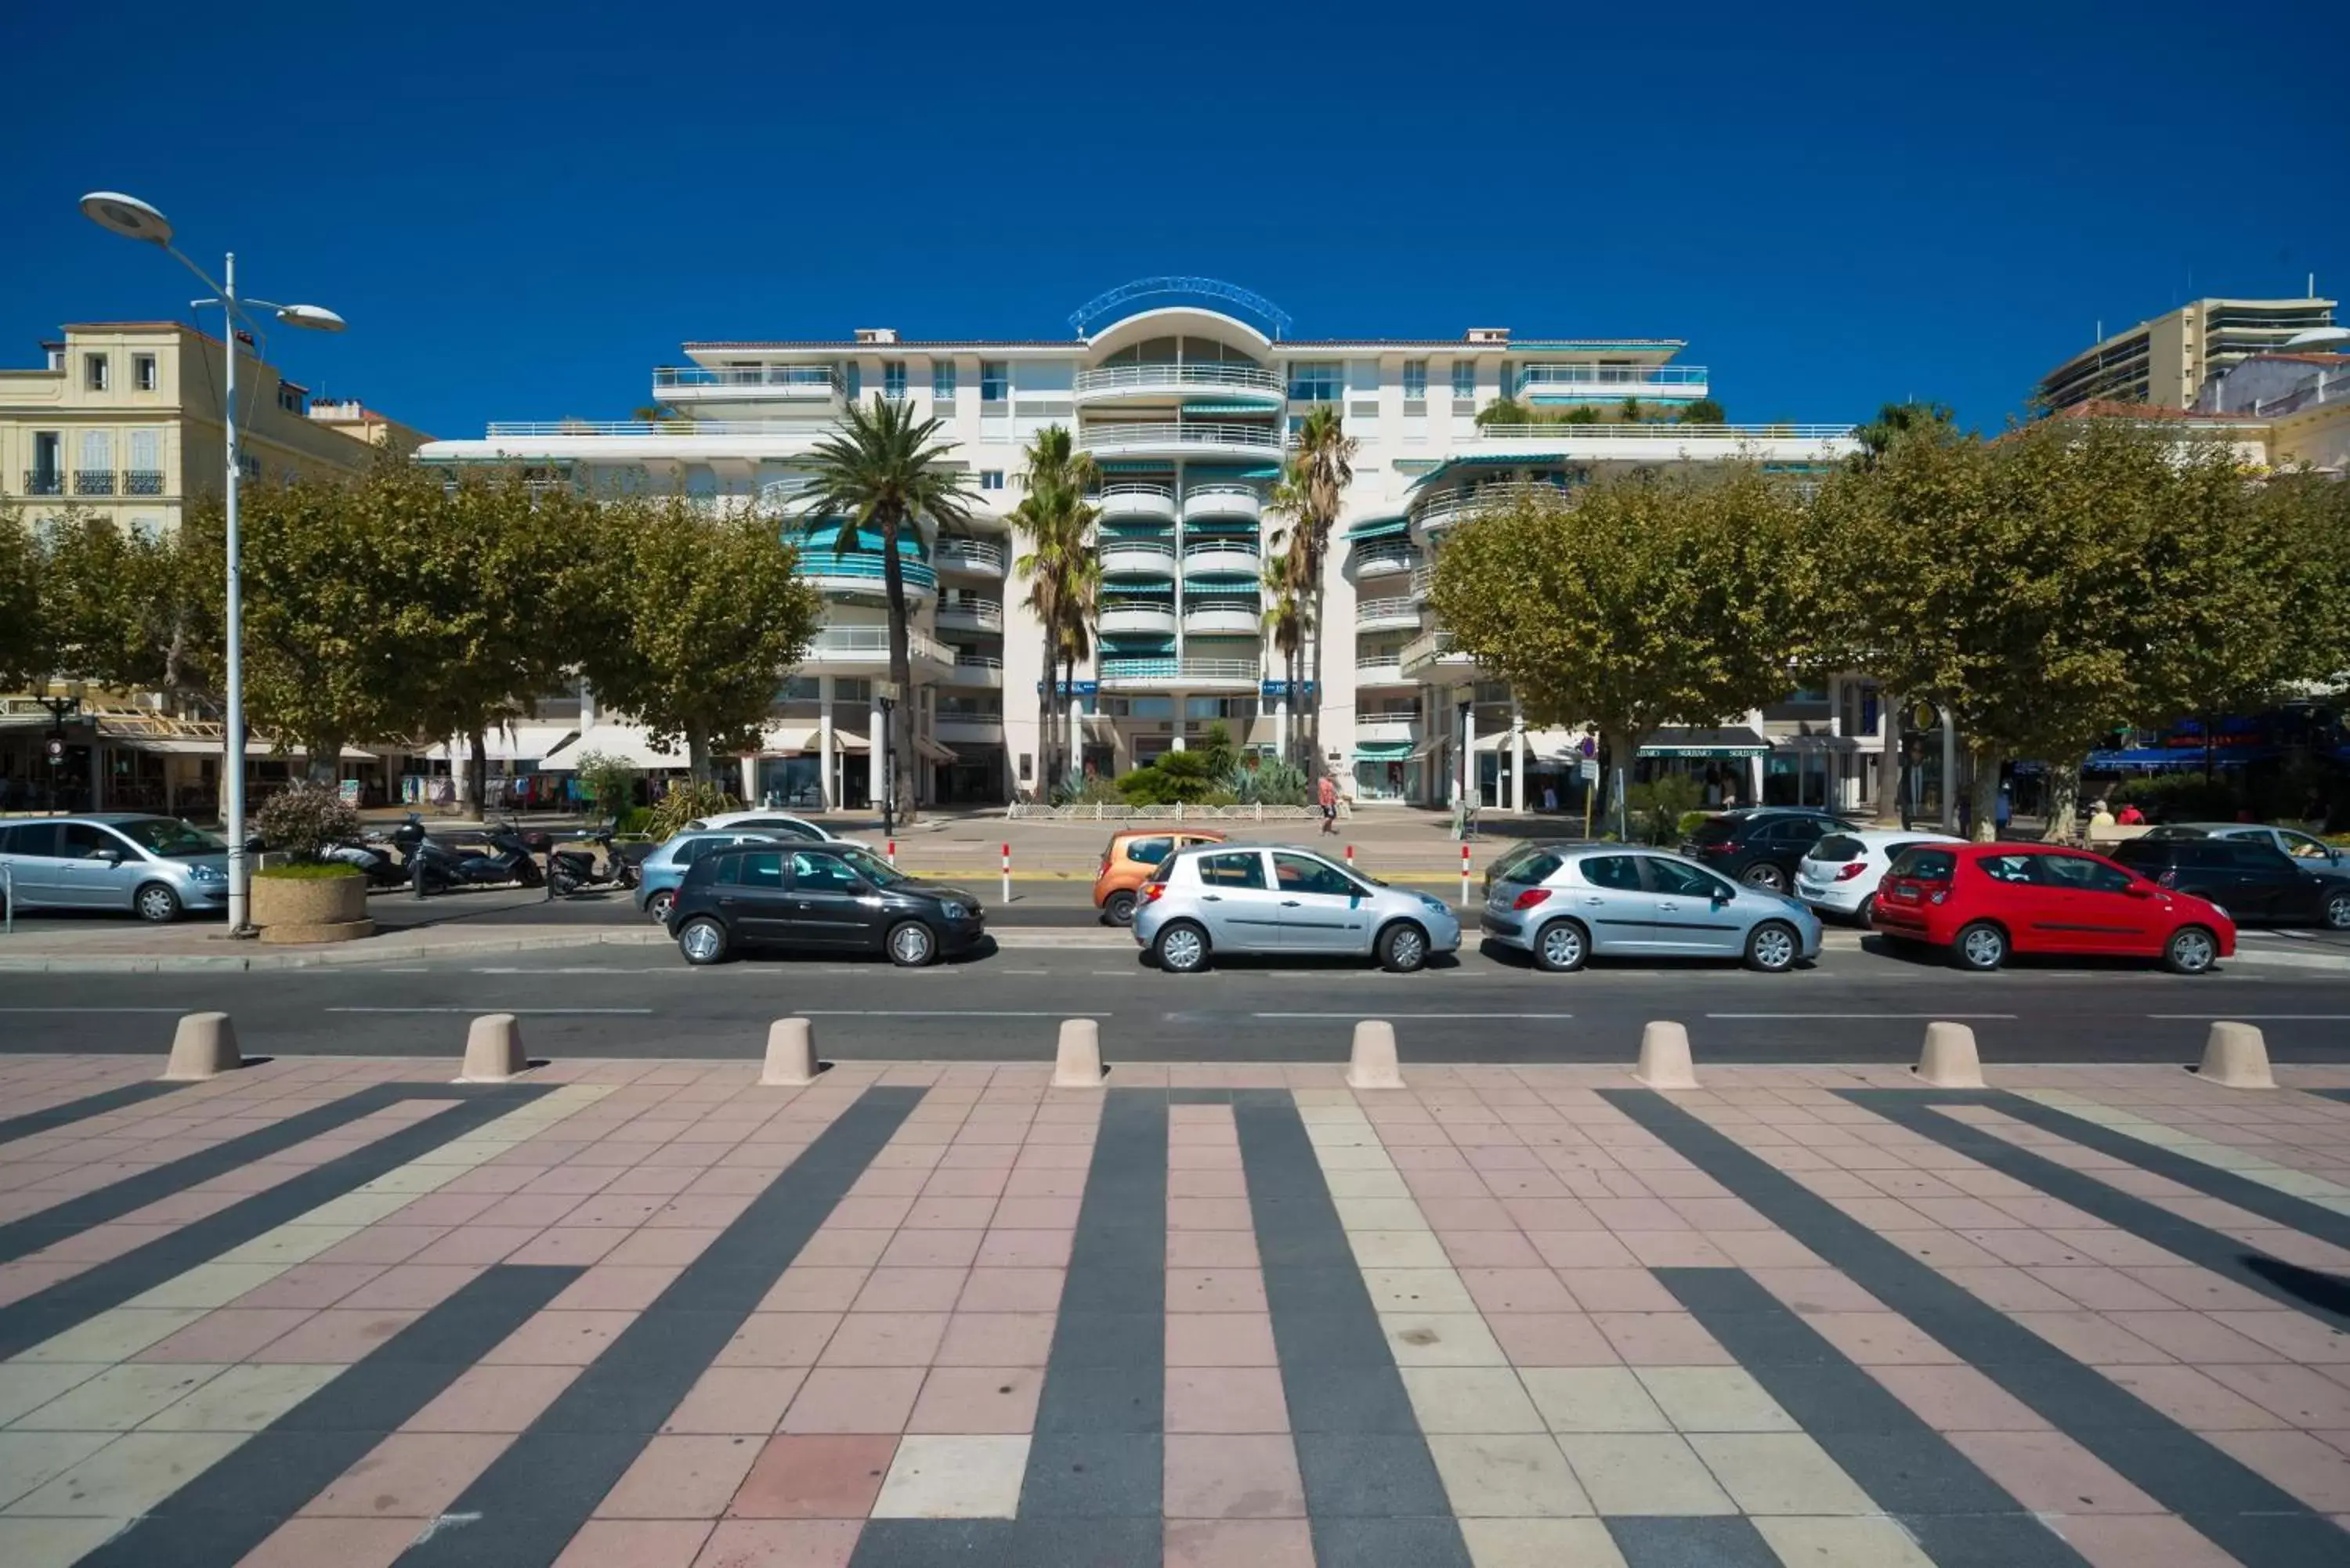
306	898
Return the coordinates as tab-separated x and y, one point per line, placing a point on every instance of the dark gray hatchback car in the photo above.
833	897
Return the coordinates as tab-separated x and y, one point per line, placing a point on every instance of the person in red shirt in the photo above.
1326	794
2131	817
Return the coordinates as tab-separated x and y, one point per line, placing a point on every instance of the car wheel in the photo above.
1181	947
1865	916
1981	946
702	941
911	945
1563	947
2192	950
1772	946
1768	877
156	903
2337	912
1118	908
1403	948
658	905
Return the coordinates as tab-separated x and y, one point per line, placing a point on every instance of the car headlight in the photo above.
1437	905
207	873
952	911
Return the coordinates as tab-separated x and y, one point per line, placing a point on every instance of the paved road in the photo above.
1854	1005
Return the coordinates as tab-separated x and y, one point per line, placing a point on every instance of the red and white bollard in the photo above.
893	852
1007	873
1350	857
1465	875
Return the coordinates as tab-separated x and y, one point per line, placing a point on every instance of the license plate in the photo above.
1814	889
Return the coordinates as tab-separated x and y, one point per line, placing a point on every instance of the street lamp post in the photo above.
134	219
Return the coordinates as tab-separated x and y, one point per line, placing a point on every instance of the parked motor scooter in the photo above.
573	869
373	856
437	866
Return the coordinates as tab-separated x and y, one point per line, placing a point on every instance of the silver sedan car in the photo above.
1255	899
1566	902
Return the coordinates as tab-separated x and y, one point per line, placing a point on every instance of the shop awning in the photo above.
625	742
802	740
1380	528
1225	408
933	750
196	746
1382	751
1815	744
1673	742
517	742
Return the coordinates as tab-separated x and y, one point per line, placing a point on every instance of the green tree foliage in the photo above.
24	641
1176	777
131	612
1702	411
884	470
689	801
1063	570
303	819
609	781
1311	495
1636	602
696	620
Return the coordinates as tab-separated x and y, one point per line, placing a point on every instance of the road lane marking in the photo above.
2252	1017
1358	1013
487	1008
1953	1016
93	1010
940	1012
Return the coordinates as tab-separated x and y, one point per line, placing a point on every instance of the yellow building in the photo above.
124	421
2165	362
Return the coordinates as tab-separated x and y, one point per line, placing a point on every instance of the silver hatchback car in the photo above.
155	867
1259	899
1563	903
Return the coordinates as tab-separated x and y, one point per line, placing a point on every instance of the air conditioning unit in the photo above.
1492	334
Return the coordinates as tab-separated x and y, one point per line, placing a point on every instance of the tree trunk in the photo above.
1983	797
697	757
901	675
477	768
1315	699
2063	800
1047	709
1620	744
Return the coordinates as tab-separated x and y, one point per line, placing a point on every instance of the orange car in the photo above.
1130	860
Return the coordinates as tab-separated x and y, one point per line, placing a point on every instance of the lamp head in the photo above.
316	317
127	215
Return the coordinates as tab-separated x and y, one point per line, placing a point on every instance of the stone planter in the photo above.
310	909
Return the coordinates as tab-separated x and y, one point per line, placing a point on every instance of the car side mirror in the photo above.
2141	890
107	857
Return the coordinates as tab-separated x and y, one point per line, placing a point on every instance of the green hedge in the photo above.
308	871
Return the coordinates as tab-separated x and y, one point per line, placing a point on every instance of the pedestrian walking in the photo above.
2131	817
1326	794
2100	814
2004	811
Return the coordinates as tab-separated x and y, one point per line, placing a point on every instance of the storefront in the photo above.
1388	771
1725	764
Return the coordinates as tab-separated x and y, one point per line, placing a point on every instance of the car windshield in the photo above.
169	837
873	869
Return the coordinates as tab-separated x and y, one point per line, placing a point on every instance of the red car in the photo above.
1984	901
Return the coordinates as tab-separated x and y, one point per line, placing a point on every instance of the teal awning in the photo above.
1380	528
1227	407
1382	751
1230	471
1525	460
1135	465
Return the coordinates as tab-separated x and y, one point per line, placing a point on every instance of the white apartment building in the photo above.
1187	409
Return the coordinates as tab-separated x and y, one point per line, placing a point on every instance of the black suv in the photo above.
834	896
1761	845
2254	881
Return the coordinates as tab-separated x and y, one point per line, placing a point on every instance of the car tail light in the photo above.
1153	891
1850	870
1530	898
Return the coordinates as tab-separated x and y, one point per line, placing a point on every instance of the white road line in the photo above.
2252	1017
92	1009
1896	1015
1358	1013
487	1007
940	1012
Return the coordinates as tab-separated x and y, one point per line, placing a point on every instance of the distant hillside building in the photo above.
2166	361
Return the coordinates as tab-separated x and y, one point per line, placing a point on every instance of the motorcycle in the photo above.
573	869
373	857
437	866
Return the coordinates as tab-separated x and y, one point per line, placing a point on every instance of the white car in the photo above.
1838	875
776	824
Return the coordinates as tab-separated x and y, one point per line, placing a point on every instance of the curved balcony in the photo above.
1387	615
1135	503
860	574
975	670
1136	617
970	615
785	383
1137	558
1380	669
1442	511
1222	558
971	558
1237	501
1186	439
1178	674
1226	383
854	650
1382	560
1223	617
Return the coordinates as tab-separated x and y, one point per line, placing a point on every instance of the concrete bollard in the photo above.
493	1049
1078	1064
1665	1058
1373	1063
2236	1058
202	1047
791	1054
1950	1060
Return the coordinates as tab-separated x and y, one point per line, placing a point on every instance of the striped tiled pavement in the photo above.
331	1312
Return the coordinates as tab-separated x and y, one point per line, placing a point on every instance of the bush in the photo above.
1266	782
607	782
1658	807
309	871
635	820
2177	797
1176	777
687	802
306	817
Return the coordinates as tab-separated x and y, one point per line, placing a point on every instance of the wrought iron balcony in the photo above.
93	482
52	483
142	482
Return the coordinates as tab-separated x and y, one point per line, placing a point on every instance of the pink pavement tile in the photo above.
311	1285
888	1290
1023	1249
2203	1400
682	1477
2049	1473
559	1339
408	1475
1557	1339
1239	1543
1673	1250
781	1543
2290	1393
1560	1250
474	1244
345	1543
2290	1334
2091	1339
1445	1214
1660	1339
2310	1467
413	1284
1517	1290
2137	1540
700	1211
1491	1249
814	1288
572	1246
844	1246
1879	1338
617	1287
1210	1214
737	1399
854	1399
1215	1290
871	1214
635	1543
935	1249
1225	1399
227	1334
1960	1399
1011	1291
2101	1289
1211	1250
1231	1183
674	1244
1228	1476
994	1339
885	1339
780	1339
1219	1339
492	1400
2191	1337
1036	1214
1057	1183
977	1400
1616	1290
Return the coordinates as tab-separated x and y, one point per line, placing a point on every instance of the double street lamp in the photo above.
134	219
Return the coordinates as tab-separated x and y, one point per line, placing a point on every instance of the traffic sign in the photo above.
1589	769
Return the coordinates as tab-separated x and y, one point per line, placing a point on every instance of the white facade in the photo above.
1187	410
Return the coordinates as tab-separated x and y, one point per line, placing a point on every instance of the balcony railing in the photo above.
984	614
1389	667
1370	611
1173	670
1206	377
1612	376
1664	431
813	379
1222	545
1137	555
975	670
1223	501
831	564
142	482
1158	435
1433	647
93	482
1443	511
1372	560
52	483
970	555
682	427
861	644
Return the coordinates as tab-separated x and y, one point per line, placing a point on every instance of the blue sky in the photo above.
522	209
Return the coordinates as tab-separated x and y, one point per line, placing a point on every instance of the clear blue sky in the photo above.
1835	205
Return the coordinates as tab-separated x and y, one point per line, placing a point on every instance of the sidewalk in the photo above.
650	1312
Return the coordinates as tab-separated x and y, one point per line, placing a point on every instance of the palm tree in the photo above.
1287	621
881	470
1320	469
1062	572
